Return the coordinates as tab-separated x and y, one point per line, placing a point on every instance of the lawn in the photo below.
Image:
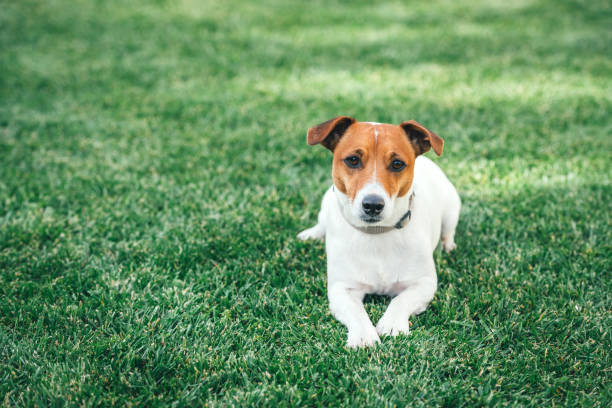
154	173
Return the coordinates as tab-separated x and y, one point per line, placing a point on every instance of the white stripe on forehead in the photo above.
373	123
375	145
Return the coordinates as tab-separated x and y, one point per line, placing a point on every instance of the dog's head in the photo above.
373	165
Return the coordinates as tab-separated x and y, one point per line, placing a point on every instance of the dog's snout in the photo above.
373	204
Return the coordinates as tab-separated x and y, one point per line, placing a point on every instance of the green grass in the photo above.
154	174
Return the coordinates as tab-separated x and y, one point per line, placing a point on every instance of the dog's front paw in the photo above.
315	232
390	325
448	245
362	338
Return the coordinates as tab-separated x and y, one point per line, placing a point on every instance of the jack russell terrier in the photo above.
381	220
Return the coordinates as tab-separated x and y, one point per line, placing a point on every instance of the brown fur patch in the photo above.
329	133
422	138
376	152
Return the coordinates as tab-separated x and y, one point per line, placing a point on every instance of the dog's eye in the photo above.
397	165
353	162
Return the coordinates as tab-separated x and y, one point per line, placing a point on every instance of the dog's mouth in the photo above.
370	219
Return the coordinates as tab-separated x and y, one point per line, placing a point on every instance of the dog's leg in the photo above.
413	300
449	223
346	304
448	241
316	232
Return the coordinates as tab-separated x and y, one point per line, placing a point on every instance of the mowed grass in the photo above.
154	173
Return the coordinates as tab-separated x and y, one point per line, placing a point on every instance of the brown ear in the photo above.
422	138
329	133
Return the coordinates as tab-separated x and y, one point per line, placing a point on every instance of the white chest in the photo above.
381	263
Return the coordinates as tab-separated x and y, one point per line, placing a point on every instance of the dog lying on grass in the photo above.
382	219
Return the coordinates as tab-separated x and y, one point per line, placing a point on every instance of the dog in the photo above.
382	219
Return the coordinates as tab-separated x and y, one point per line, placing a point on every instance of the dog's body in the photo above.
380	234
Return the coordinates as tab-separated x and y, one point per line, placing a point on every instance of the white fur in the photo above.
398	263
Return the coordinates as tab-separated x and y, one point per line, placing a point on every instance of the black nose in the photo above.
373	204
